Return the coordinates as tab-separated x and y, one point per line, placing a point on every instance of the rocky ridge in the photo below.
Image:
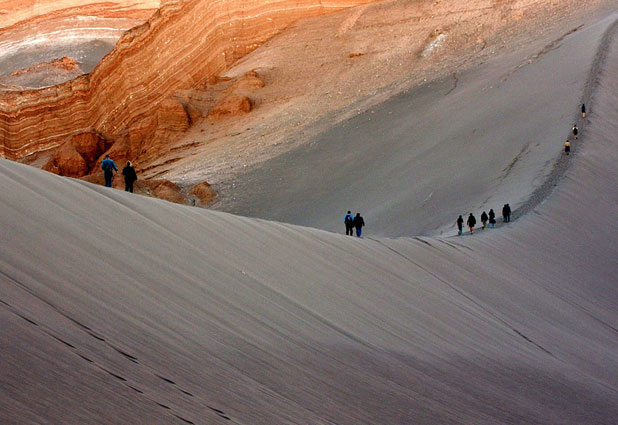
128	100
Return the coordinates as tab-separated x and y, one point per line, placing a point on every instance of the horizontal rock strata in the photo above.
180	46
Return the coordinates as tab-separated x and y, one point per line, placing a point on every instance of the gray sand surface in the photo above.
120	309
413	164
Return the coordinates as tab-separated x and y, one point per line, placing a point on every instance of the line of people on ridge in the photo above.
352	222
109	167
485	219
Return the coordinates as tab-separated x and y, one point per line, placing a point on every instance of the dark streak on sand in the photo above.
169	381
555	44
184	420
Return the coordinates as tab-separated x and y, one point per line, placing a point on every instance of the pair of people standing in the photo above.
353	222
109	166
506	213
471	223
491	218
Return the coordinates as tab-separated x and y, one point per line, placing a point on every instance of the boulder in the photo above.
204	193
164	189
66	161
231	105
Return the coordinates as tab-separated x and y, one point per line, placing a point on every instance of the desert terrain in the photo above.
118	308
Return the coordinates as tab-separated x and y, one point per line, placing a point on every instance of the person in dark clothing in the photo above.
567	147
492	218
359	223
460	225
484	219
575	131
583	110
471	222
108	166
506	213
129	177
349	224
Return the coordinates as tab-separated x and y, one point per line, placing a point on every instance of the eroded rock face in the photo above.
138	78
67	162
77	156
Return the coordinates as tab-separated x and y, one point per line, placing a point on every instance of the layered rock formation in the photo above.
34	34
128	98
20	13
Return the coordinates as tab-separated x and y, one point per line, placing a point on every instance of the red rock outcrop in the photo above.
231	105
183	44
78	156
64	63
167	190
67	161
204	193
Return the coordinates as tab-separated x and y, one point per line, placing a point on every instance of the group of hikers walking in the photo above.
506	209
352	222
109	167
485	219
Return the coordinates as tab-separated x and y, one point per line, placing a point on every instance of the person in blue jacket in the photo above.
108	166
349	224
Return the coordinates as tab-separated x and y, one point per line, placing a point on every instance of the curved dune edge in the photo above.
120	309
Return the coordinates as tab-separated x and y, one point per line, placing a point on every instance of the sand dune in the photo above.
120	309
473	141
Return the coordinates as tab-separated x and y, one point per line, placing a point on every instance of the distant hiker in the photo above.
349	224
129	177
506	213
471	222
583	110
460	225
492	218
359	223
575	130
484	219
567	147
108	166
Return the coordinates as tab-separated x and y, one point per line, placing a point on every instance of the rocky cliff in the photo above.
126	103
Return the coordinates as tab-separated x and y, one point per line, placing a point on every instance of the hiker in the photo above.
492	219
575	130
506	213
129	177
460	226
349	224
567	147
108	166
471	222
484	219
583	110
359	223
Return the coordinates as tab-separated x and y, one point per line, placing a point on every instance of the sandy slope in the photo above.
121	309
414	163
